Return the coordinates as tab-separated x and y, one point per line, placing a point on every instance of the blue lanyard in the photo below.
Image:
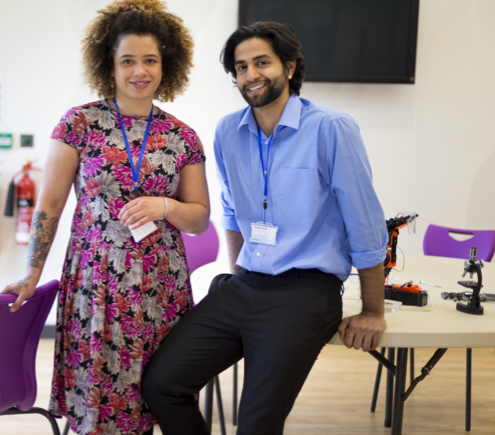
135	171
265	172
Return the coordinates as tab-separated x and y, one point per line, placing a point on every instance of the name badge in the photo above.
141	232
263	233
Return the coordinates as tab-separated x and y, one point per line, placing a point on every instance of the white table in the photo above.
444	326
441	327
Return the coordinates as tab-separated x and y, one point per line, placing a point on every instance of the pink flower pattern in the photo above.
113	312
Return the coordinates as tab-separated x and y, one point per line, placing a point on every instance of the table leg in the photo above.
469	354
411	360
390	390
400	388
377	382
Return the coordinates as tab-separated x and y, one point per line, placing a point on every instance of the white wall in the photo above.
430	144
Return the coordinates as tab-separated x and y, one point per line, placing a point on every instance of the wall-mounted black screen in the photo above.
367	41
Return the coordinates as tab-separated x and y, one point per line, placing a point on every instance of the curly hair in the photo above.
283	42
142	18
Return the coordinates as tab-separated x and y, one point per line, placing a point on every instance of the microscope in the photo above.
472	266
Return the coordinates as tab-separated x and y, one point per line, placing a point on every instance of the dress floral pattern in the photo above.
118	299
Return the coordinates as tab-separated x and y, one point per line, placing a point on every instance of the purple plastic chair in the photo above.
201	250
438	242
20	334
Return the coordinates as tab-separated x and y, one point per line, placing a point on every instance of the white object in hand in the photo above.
141	232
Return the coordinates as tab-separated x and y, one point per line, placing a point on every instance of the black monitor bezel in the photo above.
408	78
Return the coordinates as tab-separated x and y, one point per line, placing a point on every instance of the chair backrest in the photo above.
20	333
201	249
438	241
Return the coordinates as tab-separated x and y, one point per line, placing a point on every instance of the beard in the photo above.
273	89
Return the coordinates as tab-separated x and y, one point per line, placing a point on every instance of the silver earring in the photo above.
290	77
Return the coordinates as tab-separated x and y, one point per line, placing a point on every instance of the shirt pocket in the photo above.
299	191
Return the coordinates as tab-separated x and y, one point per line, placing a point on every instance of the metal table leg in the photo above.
469	356
400	388
399	371
390	390
377	382
411	359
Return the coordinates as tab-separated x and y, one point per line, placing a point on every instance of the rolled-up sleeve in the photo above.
350	179
228	220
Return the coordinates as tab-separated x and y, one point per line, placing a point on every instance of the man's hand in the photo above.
362	331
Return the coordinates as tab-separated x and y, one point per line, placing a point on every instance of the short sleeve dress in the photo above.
118	299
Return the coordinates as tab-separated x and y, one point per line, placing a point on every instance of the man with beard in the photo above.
299	210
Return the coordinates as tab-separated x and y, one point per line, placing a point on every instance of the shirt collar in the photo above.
291	115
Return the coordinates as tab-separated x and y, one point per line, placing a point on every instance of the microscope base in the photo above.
469	309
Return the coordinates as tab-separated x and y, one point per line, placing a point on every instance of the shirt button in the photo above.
258	254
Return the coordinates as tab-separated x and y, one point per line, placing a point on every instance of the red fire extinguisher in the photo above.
25	191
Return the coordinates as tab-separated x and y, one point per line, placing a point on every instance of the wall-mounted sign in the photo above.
2	97
5	140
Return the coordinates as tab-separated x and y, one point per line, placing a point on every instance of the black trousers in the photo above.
279	324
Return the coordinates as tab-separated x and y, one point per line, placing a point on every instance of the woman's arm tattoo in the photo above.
42	233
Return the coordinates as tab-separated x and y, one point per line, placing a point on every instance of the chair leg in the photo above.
210	386
234	397
377	383
209	404
66	428
220	406
35	410
411	357
469	355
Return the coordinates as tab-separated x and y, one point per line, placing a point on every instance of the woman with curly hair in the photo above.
138	174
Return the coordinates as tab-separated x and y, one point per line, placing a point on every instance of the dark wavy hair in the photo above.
283	41
142	18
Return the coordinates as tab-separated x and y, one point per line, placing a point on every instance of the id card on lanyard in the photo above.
264	233
149	227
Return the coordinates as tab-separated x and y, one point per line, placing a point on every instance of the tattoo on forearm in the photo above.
42	233
22	283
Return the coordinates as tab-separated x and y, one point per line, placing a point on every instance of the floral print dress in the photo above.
118	299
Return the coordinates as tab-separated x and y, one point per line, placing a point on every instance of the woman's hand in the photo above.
142	210
24	289
189	212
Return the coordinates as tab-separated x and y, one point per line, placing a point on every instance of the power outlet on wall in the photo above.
27	140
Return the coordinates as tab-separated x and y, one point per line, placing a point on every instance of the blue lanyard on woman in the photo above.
265	172
135	171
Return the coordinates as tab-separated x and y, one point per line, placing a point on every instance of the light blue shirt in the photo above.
320	193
